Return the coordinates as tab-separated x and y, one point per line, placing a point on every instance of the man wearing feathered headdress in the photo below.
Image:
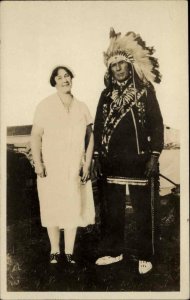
128	141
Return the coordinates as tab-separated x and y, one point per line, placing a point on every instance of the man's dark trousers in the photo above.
112	216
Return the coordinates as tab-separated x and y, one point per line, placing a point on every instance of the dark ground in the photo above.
28	248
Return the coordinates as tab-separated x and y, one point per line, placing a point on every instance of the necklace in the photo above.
68	105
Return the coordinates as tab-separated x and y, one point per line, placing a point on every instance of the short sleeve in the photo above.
39	116
87	114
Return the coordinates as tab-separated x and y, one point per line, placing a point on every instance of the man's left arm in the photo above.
156	131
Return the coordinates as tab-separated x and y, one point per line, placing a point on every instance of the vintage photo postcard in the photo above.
94	150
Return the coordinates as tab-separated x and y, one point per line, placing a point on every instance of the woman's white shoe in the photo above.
107	260
144	266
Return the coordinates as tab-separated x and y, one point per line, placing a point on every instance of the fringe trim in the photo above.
125	180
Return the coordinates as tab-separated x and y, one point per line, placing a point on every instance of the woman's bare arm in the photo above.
36	147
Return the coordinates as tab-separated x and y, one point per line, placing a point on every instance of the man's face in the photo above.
120	70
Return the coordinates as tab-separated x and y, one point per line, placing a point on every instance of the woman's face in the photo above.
63	81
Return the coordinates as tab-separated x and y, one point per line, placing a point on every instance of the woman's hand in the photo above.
40	170
85	173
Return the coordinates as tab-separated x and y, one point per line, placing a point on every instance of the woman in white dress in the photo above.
62	146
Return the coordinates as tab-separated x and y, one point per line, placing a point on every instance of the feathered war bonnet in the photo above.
133	50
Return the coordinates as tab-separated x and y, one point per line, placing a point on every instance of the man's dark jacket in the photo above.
139	134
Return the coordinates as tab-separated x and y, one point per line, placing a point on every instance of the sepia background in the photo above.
36	37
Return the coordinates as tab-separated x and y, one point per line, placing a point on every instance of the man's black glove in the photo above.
152	166
96	168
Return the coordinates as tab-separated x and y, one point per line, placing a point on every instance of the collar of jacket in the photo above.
120	86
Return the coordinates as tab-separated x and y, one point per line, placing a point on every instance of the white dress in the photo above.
64	202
